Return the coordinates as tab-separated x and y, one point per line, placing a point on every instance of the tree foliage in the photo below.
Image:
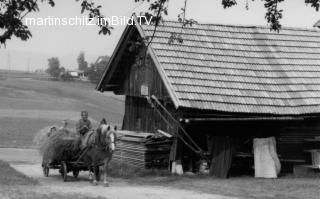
273	13
12	13
54	69
65	75
82	63
95	70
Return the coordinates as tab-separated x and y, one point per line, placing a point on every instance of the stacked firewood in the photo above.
143	150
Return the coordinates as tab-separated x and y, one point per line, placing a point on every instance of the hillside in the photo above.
28	105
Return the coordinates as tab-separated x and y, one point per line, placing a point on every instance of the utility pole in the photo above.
28	66
9	62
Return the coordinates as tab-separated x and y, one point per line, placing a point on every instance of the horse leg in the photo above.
90	173
95	172
105	165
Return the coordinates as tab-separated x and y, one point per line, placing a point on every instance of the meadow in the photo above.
29	104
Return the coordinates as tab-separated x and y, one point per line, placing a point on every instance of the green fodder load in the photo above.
60	145
41	137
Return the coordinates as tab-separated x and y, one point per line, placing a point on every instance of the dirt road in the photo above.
28	162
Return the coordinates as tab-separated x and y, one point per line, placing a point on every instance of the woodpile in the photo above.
143	150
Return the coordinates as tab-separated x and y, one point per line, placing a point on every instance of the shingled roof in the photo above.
242	69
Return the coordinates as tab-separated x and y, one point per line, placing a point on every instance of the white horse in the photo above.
100	147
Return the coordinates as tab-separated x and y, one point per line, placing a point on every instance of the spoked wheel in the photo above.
45	170
64	171
75	173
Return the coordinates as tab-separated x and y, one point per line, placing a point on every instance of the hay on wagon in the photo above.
58	146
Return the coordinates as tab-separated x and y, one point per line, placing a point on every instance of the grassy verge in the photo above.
9	176
289	187
15	185
286	187
26	193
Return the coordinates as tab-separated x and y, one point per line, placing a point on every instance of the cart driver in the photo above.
84	124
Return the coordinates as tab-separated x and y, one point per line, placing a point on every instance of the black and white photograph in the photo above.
159	99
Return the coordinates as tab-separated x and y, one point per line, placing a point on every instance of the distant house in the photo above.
222	83
78	74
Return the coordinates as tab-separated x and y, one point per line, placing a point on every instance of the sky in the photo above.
66	42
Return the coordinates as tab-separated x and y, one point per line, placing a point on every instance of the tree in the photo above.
82	63
12	13
95	71
54	67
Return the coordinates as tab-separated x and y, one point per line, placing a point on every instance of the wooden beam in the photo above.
164	133
243	119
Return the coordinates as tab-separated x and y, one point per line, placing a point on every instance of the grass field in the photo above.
27	105
19	132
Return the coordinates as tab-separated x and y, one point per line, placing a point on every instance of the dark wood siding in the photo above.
291	139
141	80
140	116
147	76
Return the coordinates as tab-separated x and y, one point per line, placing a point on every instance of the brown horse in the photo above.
99	150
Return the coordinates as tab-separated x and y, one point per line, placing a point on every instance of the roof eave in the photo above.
115	53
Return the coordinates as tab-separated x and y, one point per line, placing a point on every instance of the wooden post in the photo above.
173	155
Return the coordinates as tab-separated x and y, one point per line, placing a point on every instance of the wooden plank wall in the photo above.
140	116
138	75
290	141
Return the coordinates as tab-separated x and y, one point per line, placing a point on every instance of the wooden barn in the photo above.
220	87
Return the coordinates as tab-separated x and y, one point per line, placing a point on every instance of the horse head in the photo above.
108	134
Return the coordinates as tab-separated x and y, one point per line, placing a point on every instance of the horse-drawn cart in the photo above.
66	167
71	165
65	151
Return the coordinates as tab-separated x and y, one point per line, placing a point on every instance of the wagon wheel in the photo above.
45	170
75	173
64	171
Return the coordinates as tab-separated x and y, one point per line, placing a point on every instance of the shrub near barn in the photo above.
96	69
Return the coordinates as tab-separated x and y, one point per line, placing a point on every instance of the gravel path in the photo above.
28	162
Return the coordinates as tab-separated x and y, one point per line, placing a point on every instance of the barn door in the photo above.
222	151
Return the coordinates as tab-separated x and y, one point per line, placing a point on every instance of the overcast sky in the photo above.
67	41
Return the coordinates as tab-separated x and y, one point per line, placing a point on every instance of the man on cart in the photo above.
83	127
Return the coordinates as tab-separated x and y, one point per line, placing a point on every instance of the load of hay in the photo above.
57	146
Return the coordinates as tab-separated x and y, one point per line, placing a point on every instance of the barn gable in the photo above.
129	74
235	69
